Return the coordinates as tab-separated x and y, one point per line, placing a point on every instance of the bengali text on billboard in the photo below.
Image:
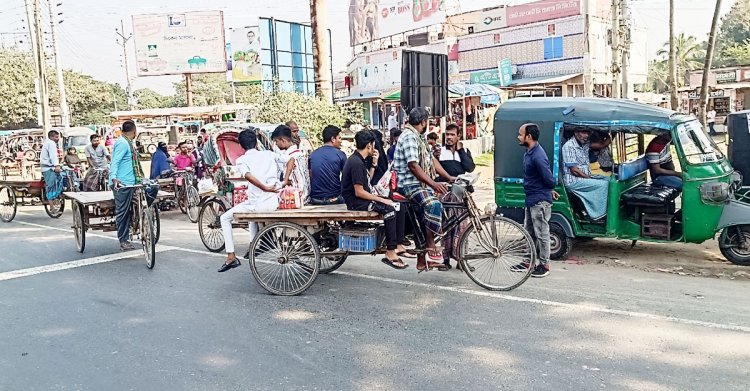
179	43
373	19
246	67
542	10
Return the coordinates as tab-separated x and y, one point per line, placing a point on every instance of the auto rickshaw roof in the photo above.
610	114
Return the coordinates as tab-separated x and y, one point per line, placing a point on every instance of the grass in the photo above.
485	160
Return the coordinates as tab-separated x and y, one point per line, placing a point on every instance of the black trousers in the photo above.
123	213
394	222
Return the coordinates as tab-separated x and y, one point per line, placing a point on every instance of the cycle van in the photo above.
711	202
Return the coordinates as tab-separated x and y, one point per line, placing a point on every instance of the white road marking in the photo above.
32	271
68	230
491	294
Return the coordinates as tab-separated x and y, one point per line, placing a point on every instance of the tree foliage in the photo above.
17	97
689	56
149	99
733	41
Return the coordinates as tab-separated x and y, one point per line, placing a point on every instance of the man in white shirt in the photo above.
50	166
393	120
260	170
711	120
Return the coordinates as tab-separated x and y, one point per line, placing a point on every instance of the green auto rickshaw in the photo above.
712	200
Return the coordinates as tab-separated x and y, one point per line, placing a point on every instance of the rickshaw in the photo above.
711	202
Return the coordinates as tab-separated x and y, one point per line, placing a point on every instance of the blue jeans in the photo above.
669	181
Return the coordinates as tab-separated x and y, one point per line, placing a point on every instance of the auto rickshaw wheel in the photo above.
734	244
560	244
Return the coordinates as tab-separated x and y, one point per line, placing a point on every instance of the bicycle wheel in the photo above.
8	205
55	208
157	223
500	252
79	228
284	259
148	234
181	199
193	203
209	226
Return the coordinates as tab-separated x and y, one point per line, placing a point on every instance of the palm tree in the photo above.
688	54
707	65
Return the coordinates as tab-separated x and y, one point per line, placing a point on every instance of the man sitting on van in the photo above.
591	189
660	163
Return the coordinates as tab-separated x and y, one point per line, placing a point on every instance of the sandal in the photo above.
392	263
406	254
433	266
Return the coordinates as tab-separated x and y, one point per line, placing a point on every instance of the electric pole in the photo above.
34	53
588	79
41	63
615	49
64	110
625	31
672	60
321	50
123	41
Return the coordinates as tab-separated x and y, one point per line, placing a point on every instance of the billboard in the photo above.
246	67
542	10
373	19
178	43
379	77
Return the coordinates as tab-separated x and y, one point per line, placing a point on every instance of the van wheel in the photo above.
734	244
560	244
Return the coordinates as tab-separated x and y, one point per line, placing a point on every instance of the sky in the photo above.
88	43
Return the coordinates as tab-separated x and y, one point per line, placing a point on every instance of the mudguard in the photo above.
734	213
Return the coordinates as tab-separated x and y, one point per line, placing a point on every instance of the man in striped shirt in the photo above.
660	162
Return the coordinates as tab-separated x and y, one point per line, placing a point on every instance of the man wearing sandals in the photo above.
416	168
357	193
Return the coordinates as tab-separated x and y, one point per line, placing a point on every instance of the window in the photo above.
283	37
695	144
553	48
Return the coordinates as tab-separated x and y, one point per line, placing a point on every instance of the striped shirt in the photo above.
575	155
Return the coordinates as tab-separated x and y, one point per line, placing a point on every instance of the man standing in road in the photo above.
326	165
125	170
538	184
416	169
711	120
50	166
393	119
98	158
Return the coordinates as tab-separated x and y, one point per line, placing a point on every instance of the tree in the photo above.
688	54
672	60
733	39
17	97
707	65
658	76
150	99
208	89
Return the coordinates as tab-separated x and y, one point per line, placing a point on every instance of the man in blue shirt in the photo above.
538	184
125	170
326	165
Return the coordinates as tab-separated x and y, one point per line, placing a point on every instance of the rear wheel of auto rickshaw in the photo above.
79	229
734	244
8	206
499	255
284	259
193	203
560	244
151	149
55	208
209	225
29	155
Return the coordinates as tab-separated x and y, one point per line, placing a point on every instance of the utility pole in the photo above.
672	61
588	82
625	31
321	50
41	64
189	89
615	49
124	43
34	53
64	109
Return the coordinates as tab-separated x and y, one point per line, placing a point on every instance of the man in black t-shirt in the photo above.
357	193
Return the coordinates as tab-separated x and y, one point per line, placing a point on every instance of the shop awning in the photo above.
395	95
533	81
489	94
364	96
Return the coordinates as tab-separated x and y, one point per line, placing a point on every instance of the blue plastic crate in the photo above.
358	240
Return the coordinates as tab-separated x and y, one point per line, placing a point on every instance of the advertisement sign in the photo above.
492	19
373	19
246	67
490	76
506	72
380	76
542	10
726	76
173	44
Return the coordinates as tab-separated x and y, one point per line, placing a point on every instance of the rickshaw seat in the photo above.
632	168
650	195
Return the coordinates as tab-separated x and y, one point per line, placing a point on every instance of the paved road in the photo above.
107	322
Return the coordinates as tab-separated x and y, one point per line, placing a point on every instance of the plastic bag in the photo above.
205	185
290	198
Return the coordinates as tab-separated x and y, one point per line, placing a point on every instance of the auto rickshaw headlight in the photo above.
715	192
490	209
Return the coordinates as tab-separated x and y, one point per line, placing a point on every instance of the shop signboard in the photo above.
179	43
745	75
490	76
376	19
726	76
542	10
246	67
713	94
506	72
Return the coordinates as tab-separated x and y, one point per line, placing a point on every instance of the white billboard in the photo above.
178	43
379	77
246	67
477	21
373	19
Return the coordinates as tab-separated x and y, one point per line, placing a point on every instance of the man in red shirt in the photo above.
660	162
